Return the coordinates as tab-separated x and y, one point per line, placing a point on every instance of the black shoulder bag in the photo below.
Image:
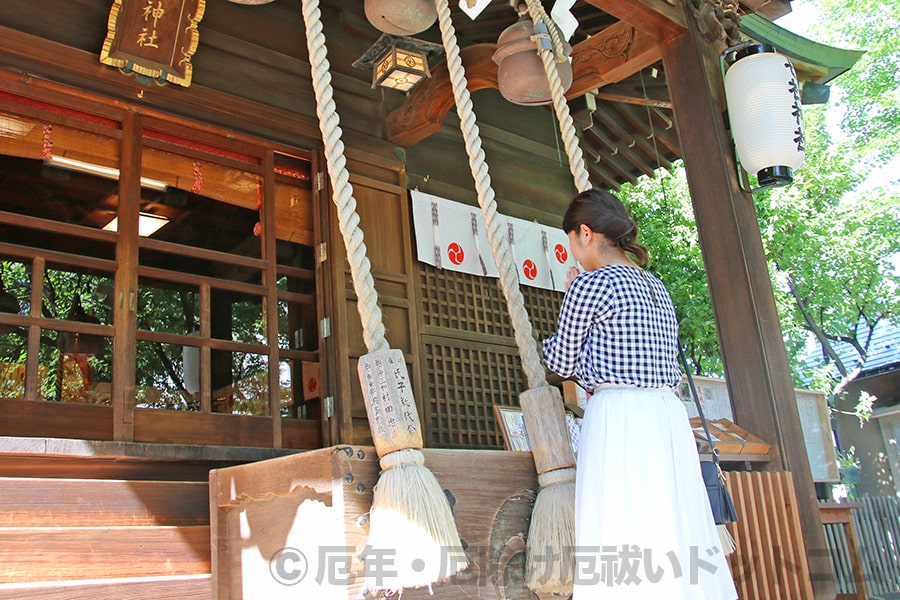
719	497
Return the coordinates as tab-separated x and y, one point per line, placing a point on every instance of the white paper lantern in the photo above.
763	99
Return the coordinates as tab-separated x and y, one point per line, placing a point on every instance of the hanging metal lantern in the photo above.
401	17
398	62
763	99
521	78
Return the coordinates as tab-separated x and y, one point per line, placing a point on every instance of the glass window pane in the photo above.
75	370
78	296
168	307
297	315
289	407
15	297
297	326
247	321
294	214
60	174
161	379
13	355
245	390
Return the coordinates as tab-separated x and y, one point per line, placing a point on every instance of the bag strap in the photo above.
687	371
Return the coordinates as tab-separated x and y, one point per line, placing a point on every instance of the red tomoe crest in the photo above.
561	255
530	269
456	253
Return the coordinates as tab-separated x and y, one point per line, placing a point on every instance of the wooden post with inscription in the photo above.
390	404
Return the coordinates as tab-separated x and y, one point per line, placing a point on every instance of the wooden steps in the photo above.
108	502
104	538
181	587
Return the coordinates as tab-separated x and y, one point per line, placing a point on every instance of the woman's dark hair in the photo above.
604	213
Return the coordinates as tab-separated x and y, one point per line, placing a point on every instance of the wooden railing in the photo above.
770	561
876	525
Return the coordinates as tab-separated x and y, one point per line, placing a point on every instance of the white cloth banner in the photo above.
452	235
531	262
558	257
445	236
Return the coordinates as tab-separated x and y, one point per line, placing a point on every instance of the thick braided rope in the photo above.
566	124
559	54
509	282
348	219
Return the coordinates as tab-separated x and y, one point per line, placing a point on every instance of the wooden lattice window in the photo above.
471	360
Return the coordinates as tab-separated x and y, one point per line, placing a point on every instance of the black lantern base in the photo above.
777	176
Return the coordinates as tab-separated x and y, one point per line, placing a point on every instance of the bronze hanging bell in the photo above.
401	17
521	78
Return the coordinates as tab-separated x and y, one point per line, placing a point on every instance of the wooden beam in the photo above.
608	57
268	218
42	502
612	123
631	99
759	379
770	9
617	52
46	64
615	153
134	588
638	119
424	112
670	141
661	19
43	554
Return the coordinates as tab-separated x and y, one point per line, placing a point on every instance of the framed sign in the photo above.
814	421
512	426
153	38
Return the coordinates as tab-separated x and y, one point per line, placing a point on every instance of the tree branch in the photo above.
812	326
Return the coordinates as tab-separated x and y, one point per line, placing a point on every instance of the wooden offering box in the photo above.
293	526
728	437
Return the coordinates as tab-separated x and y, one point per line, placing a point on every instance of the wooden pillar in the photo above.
750	336
125	321
270	304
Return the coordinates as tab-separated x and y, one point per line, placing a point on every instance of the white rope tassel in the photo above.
566	124
509	281
551	536
410	517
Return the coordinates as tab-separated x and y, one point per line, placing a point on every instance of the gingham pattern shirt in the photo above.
612	329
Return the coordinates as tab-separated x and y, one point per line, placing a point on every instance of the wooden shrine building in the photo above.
230	333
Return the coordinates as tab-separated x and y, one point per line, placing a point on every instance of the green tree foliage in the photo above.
662	208
830	245
830	238
868	94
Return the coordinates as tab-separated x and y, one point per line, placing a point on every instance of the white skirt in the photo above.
643	526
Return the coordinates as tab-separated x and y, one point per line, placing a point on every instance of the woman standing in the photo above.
643	525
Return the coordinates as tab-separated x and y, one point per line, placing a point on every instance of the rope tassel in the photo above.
551	536
410	521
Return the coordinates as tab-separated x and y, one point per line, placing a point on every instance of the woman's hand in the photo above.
571	274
